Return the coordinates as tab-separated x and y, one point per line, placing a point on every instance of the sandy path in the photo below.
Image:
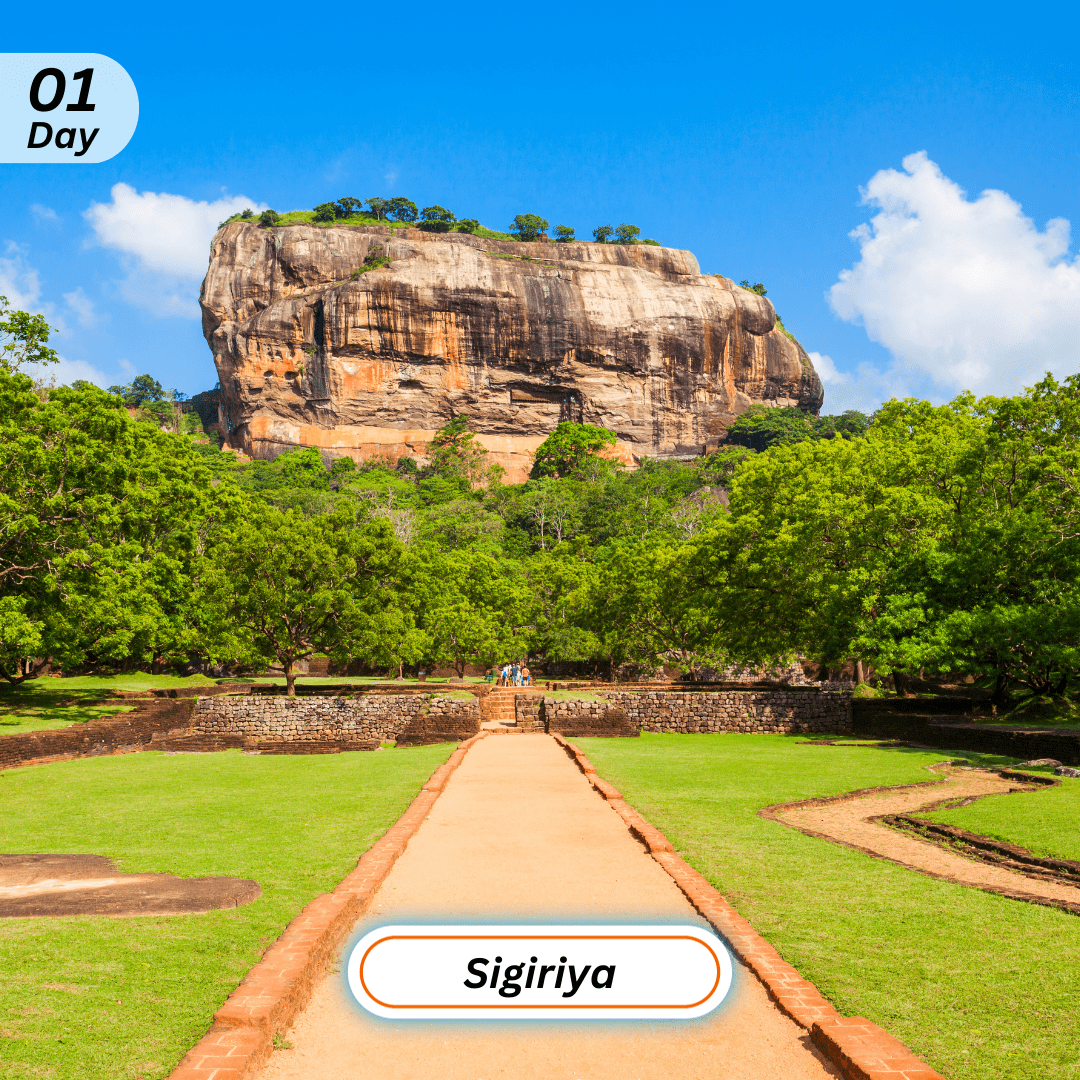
518	833
848	822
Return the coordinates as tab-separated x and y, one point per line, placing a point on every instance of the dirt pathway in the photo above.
519	834
848	820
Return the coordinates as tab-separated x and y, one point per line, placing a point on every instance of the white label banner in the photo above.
539	972
64	108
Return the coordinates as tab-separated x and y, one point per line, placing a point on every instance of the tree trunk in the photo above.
1001	690
900	681
290	678
860	678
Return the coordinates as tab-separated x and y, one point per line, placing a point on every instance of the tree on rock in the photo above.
570	449
602	233
349	205
528	227
627	234
436	219
563	234
378	207
401	210
324	212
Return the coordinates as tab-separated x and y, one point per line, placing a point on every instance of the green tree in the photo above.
293	586
473	610
455	454
325	212
758	288
563	234
647	599
627	234
23	339
269	218
762	427
846	426
378	207
348	206
142	390
436	219
401	210
469	225
569	450
528	227
602	233
102	526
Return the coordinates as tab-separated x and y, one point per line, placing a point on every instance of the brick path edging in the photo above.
858	1047
277	988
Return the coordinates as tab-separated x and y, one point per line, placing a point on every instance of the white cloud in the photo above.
165	241
44	213
67	371
83	307
826	369
969	292
19	282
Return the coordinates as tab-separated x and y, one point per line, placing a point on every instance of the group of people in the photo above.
515	674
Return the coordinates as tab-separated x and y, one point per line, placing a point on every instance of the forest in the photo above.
923	539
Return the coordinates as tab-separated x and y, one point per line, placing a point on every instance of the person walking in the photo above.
526	676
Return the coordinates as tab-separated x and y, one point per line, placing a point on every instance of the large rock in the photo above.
312	352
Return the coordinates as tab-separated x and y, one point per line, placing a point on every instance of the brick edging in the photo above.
858	1047
277	988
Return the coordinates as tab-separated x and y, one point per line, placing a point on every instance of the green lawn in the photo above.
1046	822
979	986
43	704
116	999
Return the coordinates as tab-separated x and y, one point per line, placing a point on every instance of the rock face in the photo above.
313	350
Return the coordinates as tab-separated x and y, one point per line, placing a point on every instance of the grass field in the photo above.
44	704
979	986
1045	822
118	999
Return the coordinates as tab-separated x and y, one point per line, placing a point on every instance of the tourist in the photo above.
526	676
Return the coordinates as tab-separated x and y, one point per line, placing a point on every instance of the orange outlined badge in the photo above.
539	972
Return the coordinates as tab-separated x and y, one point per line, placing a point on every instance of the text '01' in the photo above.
539	972
64	108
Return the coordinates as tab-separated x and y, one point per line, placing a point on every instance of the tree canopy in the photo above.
23	339
528	227
570	449
926	538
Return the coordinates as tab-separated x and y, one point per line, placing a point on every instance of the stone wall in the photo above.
688	711
579	718
383	717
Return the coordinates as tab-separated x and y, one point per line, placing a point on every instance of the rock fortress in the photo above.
316	344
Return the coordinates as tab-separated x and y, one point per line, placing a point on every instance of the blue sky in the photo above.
746	133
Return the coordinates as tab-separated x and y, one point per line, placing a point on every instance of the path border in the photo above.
1034	781
858	1047
272	994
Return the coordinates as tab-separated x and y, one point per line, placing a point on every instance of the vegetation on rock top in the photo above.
403	213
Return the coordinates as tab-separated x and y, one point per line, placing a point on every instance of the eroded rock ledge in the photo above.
313	350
